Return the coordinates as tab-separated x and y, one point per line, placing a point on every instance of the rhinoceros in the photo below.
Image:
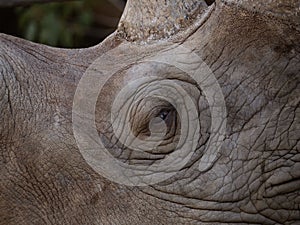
187	114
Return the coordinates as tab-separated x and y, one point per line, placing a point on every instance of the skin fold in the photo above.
253	50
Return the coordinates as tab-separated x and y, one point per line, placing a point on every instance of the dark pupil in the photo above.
163	114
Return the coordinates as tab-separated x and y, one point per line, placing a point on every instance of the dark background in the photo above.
72	24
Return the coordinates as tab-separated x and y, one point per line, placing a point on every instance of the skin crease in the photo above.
256	60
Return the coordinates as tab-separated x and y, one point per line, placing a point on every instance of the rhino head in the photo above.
187	114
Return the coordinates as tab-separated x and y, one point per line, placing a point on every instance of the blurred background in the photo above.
70	24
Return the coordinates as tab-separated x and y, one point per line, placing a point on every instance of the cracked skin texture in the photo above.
45	180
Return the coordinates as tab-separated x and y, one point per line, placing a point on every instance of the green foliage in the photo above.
56	24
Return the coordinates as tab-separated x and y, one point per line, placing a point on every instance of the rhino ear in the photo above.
145	20
288	10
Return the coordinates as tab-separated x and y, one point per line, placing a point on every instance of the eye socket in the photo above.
153	116
168	116
163	114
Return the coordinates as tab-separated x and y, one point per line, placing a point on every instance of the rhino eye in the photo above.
153	115
163	114
168	116
165	117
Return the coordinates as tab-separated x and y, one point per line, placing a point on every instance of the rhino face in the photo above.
187	114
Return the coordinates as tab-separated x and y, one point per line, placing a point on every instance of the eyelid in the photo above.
155	111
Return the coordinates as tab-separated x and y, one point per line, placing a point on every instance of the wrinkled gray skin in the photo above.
255	55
